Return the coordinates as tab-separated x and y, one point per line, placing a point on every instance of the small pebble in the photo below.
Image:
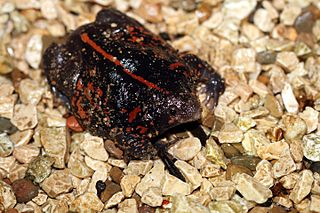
24	116
233	169
87	202
25	153
24	190
304	22
54	142
7	126
33	51
39	168
94	147
173	185
186	149
128	205
113	150
251	189
230	133
272	104
187	5
152	197
116	174
247	161
230	151
311	147
73	124
128	184
6	146
302	187
109	191
57	183
266	57
100	187
225	206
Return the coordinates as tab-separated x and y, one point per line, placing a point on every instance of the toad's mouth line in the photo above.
86	39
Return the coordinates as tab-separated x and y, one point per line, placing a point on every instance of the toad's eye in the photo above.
173	111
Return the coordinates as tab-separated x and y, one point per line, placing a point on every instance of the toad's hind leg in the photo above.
168	159
142	149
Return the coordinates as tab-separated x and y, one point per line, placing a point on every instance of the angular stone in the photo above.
264	173
296	149
247	161
214	153
128	184
21	137
30	91
284	166
24	116
259	88
273	150
222	192
117	162
152	179
94	147
152	197
190	173
54	141
48	9
77	165
210	170
7	197
25	153
290	180
234	169
140	167
302	187
272	104
6	146
40	168
251	189
114	200
186	149
244	60
289	14
7	106
128	205
253	141
310	117
57	183
263	20
88	202
245	123
181	203
97	165
230	133
33	51
227	206
311	147
41	198
315	203
288	60
173	185
295	127
289	100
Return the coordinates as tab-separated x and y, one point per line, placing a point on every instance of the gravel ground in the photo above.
263	152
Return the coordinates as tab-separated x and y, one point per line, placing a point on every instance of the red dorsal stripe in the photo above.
85	38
